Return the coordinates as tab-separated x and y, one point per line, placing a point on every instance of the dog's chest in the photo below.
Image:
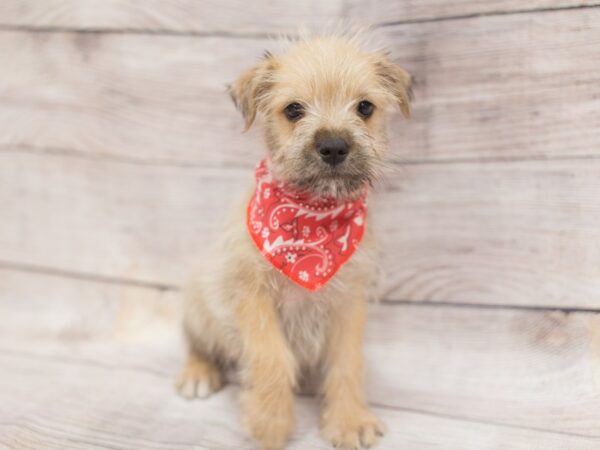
305	322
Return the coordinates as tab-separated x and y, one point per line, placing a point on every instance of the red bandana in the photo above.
306	239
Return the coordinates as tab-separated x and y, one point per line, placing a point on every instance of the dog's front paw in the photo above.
351	428
269	420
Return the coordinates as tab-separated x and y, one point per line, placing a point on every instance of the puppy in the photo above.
284	292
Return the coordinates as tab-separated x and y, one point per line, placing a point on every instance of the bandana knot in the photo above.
307	239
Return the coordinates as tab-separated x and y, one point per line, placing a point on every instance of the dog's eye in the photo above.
365	108
294	111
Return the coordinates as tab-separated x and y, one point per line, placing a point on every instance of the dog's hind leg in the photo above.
199	377
201	374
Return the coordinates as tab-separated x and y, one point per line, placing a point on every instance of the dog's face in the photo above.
323	104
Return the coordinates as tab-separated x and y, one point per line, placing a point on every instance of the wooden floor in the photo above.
90	364
70	403
120	151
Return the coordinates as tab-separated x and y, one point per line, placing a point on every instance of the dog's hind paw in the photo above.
198	379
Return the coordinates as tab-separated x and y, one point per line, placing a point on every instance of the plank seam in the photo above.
89	363
479	421
139	31
83	362
83	276
494	159
513	12
165	162
492	306
116	158
166	287
267	35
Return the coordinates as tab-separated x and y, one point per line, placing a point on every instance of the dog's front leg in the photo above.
346	420
268	373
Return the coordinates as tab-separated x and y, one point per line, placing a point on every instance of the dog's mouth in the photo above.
307	172
342	175
341	181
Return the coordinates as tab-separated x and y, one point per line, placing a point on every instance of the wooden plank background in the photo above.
502	88
114	127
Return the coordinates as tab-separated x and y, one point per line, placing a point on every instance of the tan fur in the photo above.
240	312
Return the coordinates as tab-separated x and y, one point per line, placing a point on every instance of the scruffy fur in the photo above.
240	311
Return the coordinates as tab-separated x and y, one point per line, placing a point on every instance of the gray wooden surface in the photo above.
120	151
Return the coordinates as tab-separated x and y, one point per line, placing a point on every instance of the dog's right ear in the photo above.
249	90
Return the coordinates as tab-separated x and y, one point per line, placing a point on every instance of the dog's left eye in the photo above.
294	111
365	108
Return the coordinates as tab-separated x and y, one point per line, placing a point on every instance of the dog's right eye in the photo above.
294	111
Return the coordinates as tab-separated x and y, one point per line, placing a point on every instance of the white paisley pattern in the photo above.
320	233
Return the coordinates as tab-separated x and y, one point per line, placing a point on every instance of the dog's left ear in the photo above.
397	81
248	91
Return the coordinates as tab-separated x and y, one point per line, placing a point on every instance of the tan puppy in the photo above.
240	310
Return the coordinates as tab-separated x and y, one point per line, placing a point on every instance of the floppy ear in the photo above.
250	88
397	81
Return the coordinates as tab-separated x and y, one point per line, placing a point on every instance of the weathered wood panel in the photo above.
535	369
66	405
206	16
502	87
516	233
382	11
514	86
74	315
106	346
120	152
113	219
145	97
235	16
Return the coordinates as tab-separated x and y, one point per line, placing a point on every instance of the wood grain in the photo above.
120	153
501	366
514	233
110	354
501	87
182	16
108	218
235	16
94	407
382	12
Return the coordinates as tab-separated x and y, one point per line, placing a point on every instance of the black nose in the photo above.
333	150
